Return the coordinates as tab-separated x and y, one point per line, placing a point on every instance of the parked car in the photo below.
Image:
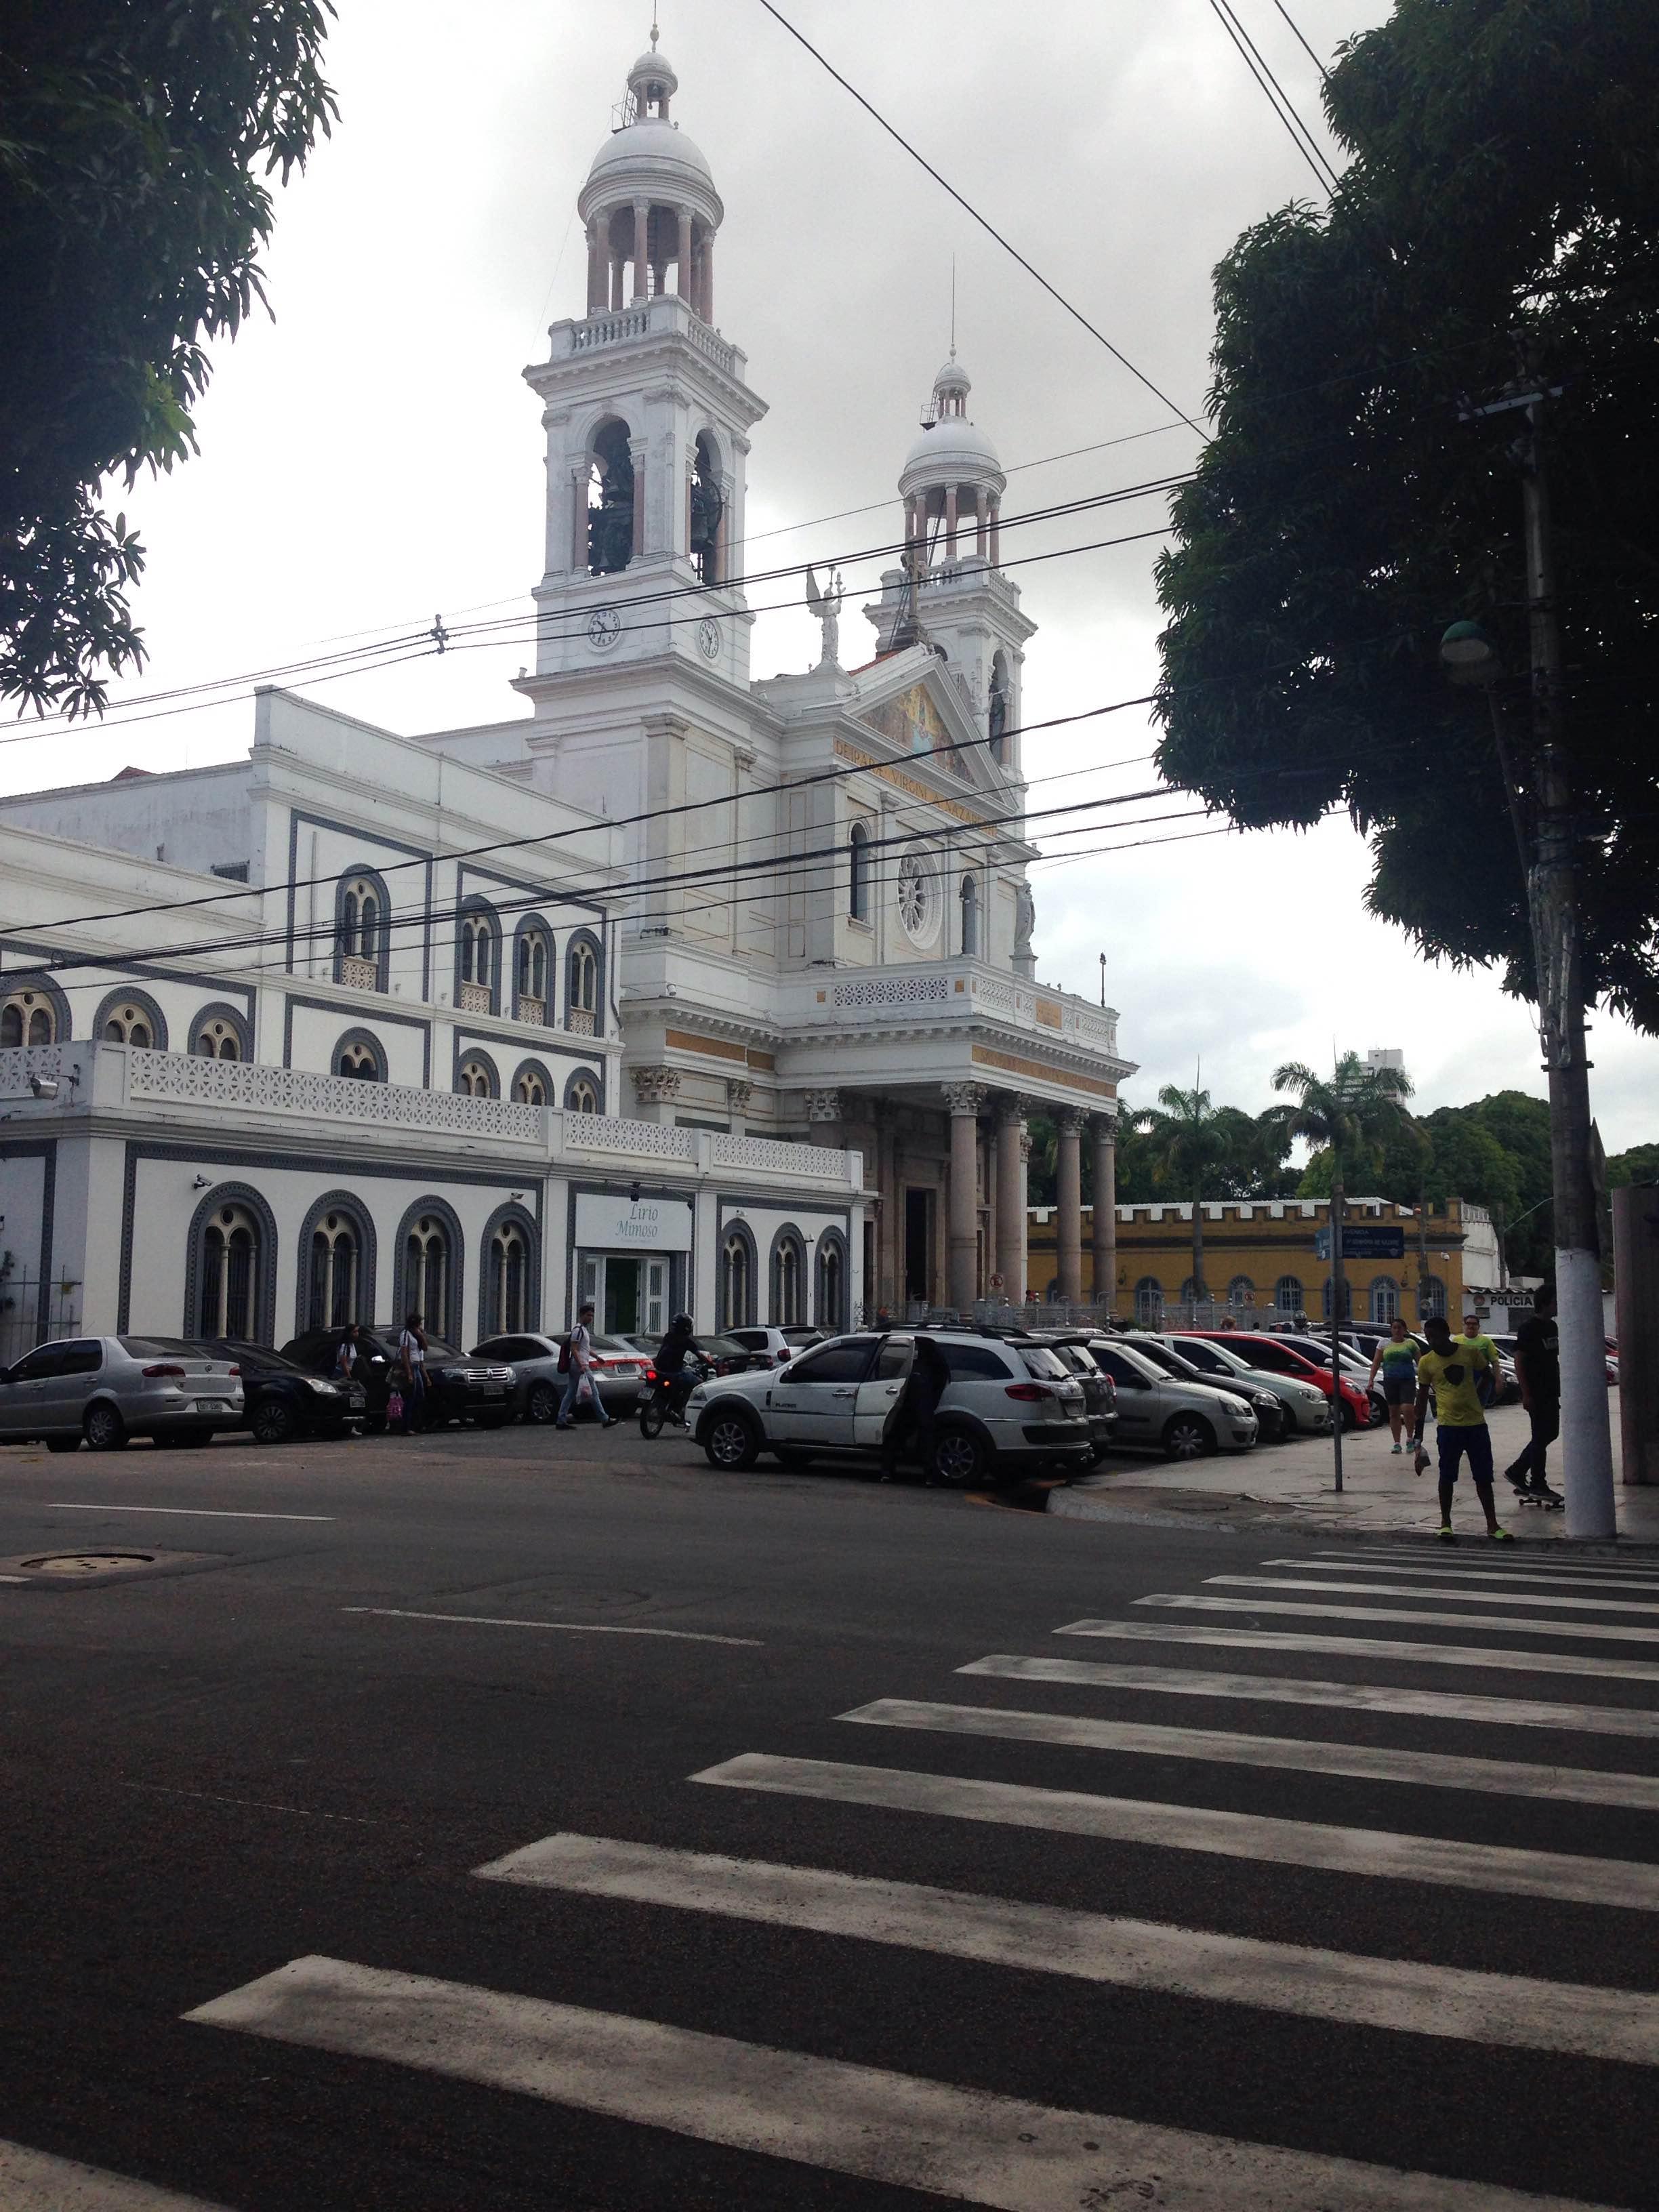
106	1390
1009	1406
280	1400
724	1354
457	1389
539	1385
1307	1409
776	1347
1280	1355
1270	1415
1099	1390
1181	1420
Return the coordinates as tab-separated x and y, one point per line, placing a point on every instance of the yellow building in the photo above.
1260	1262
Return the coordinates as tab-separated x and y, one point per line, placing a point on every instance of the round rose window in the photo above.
917	897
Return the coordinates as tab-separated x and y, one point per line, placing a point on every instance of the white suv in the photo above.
1008	1404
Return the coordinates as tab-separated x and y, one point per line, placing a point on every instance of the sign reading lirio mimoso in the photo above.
605	1224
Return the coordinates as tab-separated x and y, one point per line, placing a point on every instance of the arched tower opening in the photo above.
610	500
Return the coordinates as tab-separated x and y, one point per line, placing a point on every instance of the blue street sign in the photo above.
1363	1241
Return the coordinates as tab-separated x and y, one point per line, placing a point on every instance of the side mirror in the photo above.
5	1374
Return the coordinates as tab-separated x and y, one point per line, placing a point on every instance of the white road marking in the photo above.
1513	1625
1416	2000
1419	1551
1507	1777
897	2129
1493	1869
33	2181
1447	1596
1374	1647
16	1578
568	1628
1330	1562
190	1512
1362	1697
249	1804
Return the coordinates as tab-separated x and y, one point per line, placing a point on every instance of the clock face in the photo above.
604	629
708	638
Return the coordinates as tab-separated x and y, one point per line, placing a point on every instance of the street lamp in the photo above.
1468	655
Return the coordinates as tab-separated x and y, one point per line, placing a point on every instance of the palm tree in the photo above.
1349	1113
1190	1140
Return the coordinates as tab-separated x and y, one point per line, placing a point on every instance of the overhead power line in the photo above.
1301	137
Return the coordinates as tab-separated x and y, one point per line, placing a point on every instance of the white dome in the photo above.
654	160
953	377
652	68
955	451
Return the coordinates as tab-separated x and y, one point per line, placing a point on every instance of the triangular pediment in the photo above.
911	703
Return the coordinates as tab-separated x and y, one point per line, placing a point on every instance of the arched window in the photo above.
507	1263
361	909
788	1279
1189	1291
997	715
582	1094
220	1033
228	1274
581	998
336	1271
476	1077
1149	1302
359	1057
1347	1299
427	1261
829	1296
1287	1294
610	499
534	967
707	510
131	1017
968	899
736	1281
1240	1292
857	872
126	1025
1431	1297
478	967
530	1085
1385	1299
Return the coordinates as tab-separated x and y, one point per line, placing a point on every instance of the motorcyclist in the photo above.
676	1348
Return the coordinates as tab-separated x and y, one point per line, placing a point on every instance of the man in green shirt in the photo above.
1452	1372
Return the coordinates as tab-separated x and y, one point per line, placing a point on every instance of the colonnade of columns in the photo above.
609	289
966	1101
985	507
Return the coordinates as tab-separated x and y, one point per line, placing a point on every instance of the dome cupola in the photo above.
950	474
649	202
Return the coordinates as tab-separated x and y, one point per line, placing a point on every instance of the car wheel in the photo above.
542	1404
1348	1418
960	1460
273	1422
62	1443
104	1429
1187	1437
1379	1412
730	1442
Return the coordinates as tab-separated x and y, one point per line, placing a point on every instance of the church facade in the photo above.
675	987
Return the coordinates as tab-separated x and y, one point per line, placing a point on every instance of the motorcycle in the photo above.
657	1405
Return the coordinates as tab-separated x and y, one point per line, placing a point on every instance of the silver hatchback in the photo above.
105	1390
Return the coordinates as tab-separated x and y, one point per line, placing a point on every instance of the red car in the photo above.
1278	1358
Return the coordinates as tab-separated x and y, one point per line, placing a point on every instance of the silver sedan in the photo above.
105	1390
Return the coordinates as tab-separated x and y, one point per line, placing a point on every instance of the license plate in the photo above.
494	1390
212	1406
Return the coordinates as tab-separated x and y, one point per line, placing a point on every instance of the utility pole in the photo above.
1338	1202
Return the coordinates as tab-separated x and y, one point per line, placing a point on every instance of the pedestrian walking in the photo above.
1473	1342
1452	1375
912	1418
350	1351
579	1358
1397	1355
1538	1368
411	1368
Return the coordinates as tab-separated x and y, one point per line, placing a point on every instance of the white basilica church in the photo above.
674	987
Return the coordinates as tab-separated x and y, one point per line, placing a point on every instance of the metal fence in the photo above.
33	1311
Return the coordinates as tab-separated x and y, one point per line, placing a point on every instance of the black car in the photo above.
457	1389
282	1399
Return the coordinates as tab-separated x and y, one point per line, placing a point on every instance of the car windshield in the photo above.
162	1347
437	1349
1170	1362
254	1356
1211	1358
1041	1360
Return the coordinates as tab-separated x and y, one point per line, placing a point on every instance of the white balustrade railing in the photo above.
359	972
533	1011
817	1162
616	1133
250	1086
474	999
21	1064
964	992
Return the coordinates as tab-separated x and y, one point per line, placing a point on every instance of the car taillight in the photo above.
233	1371
155	1373
649	1375
1027	1392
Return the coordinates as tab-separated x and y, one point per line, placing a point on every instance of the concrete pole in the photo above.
1636	1279
965	1101
1105	1214
1010	1196
1069	1207
642	250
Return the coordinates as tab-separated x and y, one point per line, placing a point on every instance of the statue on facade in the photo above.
1024	920
825	603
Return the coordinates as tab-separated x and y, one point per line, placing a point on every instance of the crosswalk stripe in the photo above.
1413	1999
1544	1576
1506	1661
1510	1777
1360	1696
33	2181
1514	1624
1447	1596
896	2128
1590	1569
1490	1869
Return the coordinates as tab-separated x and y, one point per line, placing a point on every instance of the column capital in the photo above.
1011	1106
1104	1127
656	1086
1025	1144
822	1105
1068	1119
965	1099
739	1094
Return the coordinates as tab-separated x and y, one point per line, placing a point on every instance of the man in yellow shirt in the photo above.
1471	1341
1453	1369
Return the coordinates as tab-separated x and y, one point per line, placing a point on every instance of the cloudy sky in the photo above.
371	457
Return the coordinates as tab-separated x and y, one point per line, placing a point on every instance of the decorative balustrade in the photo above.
533	1011
723	355
24	1065
817	1162
358	973
579	1022
474	999
616	1133
248	1086
967	992
892	990
609	329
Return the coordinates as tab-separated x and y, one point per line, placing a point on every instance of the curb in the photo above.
1072	1505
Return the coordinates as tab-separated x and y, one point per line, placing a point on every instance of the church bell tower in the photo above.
647	414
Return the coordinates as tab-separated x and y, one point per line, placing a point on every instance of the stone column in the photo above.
707	289
656	1088
682	259
642	250
579	519
965	1101
950	522
1069	1208
638	451
596	270
996	532
978	520
618	283
1105	1135
1010	1196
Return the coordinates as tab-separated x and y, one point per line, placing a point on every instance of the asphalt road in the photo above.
770	1955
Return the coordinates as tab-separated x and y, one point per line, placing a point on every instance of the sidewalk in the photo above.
1288	1487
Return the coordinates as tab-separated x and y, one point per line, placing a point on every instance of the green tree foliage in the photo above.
1639	1164
1504	179
1349	1113
1189	1142
133	138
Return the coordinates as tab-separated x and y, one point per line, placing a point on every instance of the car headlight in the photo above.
1235	1406
323	1389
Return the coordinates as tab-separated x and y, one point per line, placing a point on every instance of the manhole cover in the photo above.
87	1562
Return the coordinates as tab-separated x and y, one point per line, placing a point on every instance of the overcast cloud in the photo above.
372	457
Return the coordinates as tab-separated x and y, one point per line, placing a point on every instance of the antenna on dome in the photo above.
655	32
953	306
